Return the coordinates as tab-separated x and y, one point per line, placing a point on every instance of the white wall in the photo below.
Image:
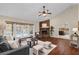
37	26
68	16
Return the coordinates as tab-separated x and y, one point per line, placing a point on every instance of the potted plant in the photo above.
51	30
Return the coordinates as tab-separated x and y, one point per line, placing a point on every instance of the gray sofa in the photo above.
18	51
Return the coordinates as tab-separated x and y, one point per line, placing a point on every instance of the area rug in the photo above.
46	51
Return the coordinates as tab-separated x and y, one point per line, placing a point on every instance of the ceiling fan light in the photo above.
44	14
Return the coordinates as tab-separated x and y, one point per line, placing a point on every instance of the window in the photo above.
31	29
17	29
9	30
25	29
22	29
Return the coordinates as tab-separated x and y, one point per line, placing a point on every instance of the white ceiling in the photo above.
29	11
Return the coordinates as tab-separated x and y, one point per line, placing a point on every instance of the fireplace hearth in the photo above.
61	33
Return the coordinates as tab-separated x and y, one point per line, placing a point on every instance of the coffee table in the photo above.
36	49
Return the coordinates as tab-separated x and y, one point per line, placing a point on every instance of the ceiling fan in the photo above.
44	12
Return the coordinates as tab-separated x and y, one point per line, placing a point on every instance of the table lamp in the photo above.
75	30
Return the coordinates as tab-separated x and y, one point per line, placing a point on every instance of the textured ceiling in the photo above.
29	11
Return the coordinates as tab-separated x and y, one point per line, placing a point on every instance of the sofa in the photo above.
18	51
10	47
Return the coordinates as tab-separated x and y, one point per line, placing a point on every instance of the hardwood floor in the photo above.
63	47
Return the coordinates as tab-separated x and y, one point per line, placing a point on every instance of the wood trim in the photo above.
11	22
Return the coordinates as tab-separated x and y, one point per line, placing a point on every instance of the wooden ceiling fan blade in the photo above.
39	14
49	13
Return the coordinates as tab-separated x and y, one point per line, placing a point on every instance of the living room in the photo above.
39	29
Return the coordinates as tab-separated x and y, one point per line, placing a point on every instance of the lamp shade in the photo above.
75	29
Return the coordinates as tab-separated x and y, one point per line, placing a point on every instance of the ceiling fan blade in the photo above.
39	14
49	13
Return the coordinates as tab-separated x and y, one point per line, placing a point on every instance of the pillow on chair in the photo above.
11	42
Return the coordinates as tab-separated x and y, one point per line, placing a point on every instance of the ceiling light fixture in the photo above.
44	12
